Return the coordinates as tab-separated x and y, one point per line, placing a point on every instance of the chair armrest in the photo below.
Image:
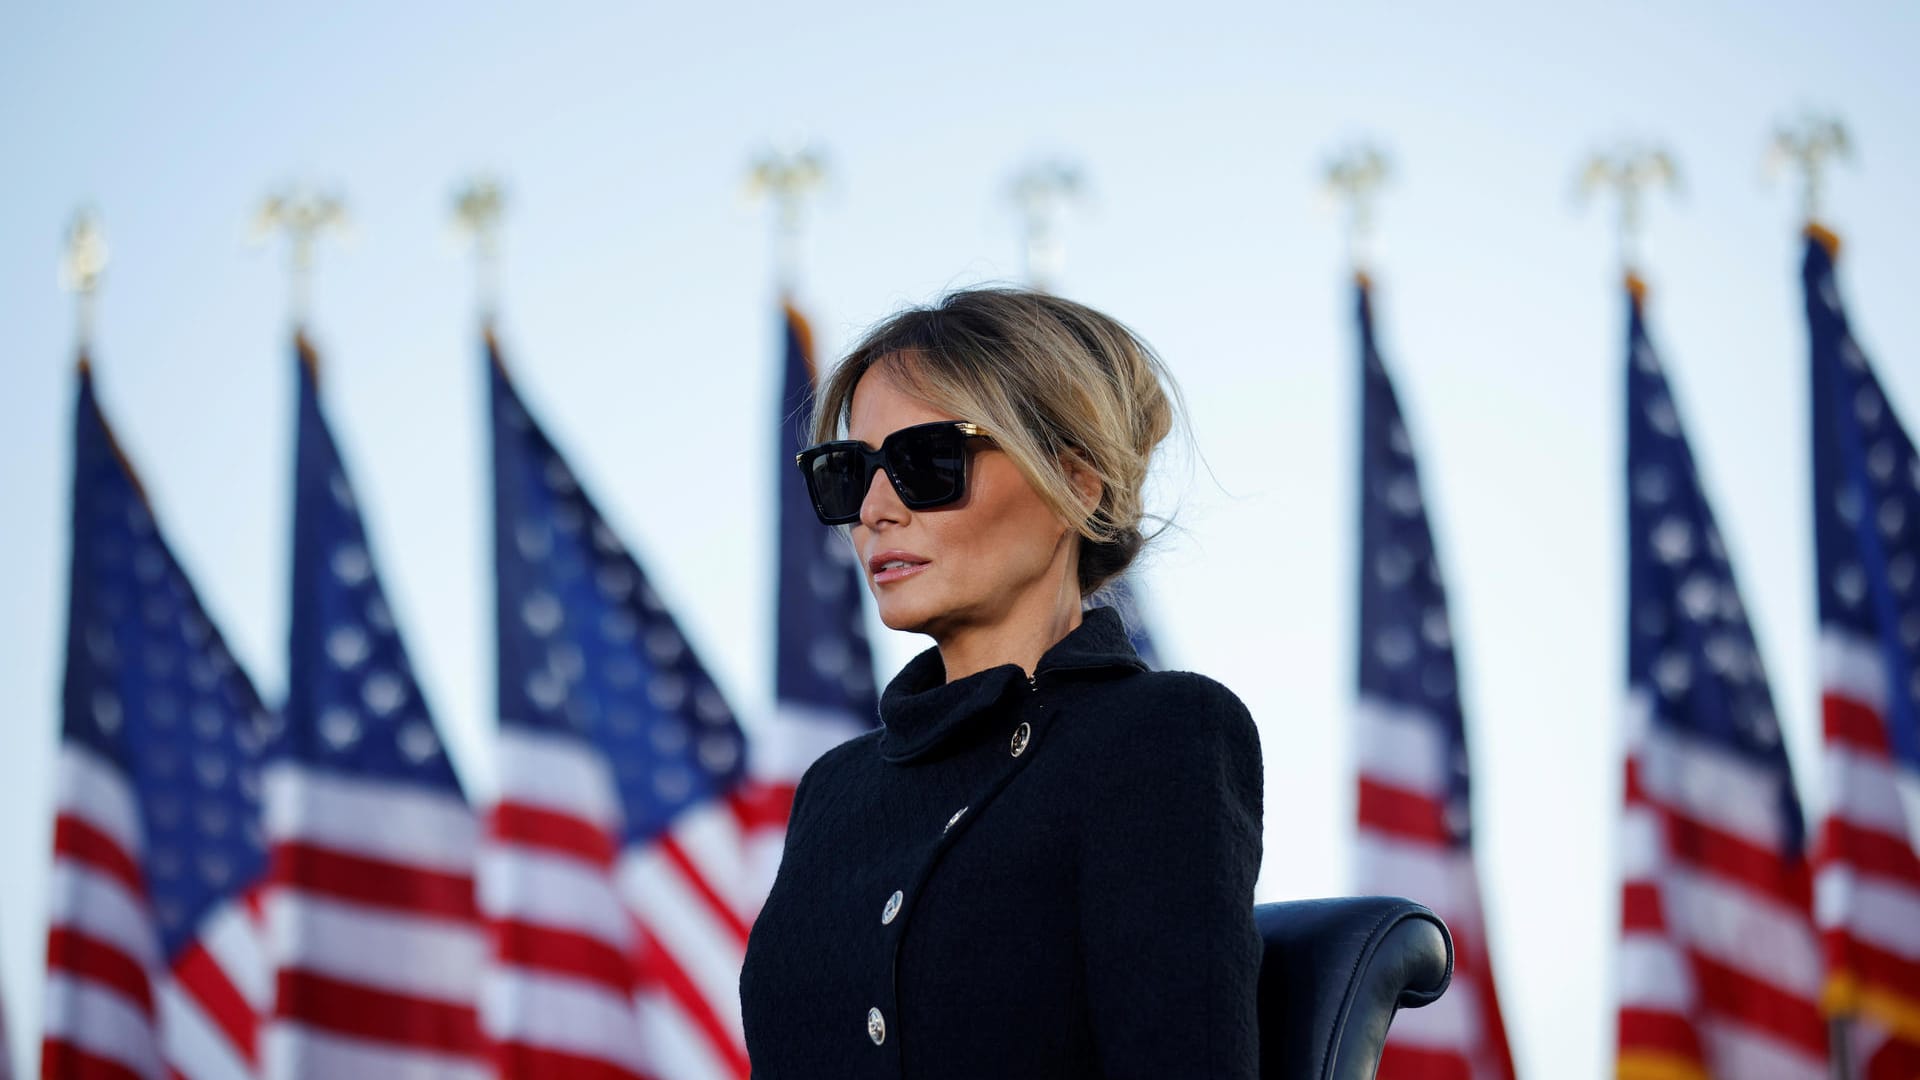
1334	973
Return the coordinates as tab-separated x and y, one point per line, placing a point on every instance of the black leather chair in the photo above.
1334	973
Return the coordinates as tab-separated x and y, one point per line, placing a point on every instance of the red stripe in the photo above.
201	976
1663	1032
1402	1062
1872	965
1402	813
563	952
524	1062
761	804
657	967
518	823
1869	851
1894	1060
1636	790
80	841
97	961
677	855
1758	1004
1737	859
1641	909
1854	724
61	1060
366	1013
378	882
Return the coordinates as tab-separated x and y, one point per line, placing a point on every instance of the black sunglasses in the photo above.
927	464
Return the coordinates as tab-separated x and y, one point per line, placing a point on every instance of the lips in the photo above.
894	565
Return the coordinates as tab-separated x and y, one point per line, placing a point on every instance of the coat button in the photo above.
954	818
1020	736
893	907
876	1027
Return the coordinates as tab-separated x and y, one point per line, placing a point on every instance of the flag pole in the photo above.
81	266
1354	178
302	215
1629	173
1808	146
787	177
477	210
1040	193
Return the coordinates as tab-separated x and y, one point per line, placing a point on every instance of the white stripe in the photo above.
710	836
1402	747
100	907
235	941
681	920
533	885
761	852
294	1051
1452	1023
1850	667
1643	853
412	955
1874	910
195	1045
1743	930
791	739
101	1022
1752	1054
1654	974
558	773
558	1013
1429	874
96	792
372	818
1713	787
677	1047
1863	789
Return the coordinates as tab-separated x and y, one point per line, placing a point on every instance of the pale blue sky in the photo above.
638	313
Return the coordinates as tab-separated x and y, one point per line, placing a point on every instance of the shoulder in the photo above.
835	771
1185	713
1156	697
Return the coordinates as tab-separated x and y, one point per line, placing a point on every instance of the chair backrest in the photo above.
1334	973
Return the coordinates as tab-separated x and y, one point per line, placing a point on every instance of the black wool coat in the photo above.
1013	878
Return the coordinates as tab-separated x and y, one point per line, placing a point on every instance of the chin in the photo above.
912	614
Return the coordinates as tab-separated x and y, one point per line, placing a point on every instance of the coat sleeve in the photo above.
1169	850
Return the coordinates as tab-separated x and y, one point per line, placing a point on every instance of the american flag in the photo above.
1416	824
376	938
1867	539
1718	970
823	687
617	874
155	964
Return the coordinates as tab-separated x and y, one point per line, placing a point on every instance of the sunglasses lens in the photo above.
927	465
834	480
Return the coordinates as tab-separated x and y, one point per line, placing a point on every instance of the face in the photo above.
969	564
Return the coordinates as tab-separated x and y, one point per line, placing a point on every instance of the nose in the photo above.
882	503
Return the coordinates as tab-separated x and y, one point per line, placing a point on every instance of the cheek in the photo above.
1005	529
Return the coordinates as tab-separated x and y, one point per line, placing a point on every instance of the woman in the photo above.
1041	865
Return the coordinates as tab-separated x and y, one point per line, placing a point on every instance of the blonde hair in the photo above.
1046	378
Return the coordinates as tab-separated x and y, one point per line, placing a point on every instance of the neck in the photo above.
1022	634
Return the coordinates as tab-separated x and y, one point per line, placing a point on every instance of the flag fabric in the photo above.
1718	970
618	871
824	689
155	963
1867	543
376	936
1415	822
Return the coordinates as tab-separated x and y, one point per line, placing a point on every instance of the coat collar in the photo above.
921	711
